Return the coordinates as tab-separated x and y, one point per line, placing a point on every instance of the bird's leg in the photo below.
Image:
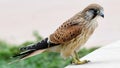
76	60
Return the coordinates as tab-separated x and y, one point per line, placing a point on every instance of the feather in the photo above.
25	55
34	49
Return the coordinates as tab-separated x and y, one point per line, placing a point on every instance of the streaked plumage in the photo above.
71	35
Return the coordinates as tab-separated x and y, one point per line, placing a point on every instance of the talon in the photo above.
86	61
80	62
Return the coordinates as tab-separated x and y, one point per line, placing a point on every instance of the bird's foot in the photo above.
80	62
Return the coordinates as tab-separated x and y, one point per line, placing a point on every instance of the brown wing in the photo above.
67	31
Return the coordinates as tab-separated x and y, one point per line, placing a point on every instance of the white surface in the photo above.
105	57
19	18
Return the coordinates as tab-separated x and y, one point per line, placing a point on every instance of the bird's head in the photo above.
93	11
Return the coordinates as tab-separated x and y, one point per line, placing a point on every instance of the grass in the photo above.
44	60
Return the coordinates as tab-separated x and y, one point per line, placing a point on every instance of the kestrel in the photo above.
69	37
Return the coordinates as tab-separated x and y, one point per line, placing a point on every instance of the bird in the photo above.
68	38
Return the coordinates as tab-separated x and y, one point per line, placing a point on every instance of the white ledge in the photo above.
104	57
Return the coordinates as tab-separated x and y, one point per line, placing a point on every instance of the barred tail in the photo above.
34	49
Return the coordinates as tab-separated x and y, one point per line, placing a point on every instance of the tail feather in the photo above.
34	49
25	55
40	45
32	54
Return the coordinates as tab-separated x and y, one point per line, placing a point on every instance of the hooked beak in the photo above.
101	14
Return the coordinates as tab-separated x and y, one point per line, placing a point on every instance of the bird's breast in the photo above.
75	44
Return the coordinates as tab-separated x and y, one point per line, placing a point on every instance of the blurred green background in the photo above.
44	60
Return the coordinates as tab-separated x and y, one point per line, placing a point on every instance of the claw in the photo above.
85	61
80	62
